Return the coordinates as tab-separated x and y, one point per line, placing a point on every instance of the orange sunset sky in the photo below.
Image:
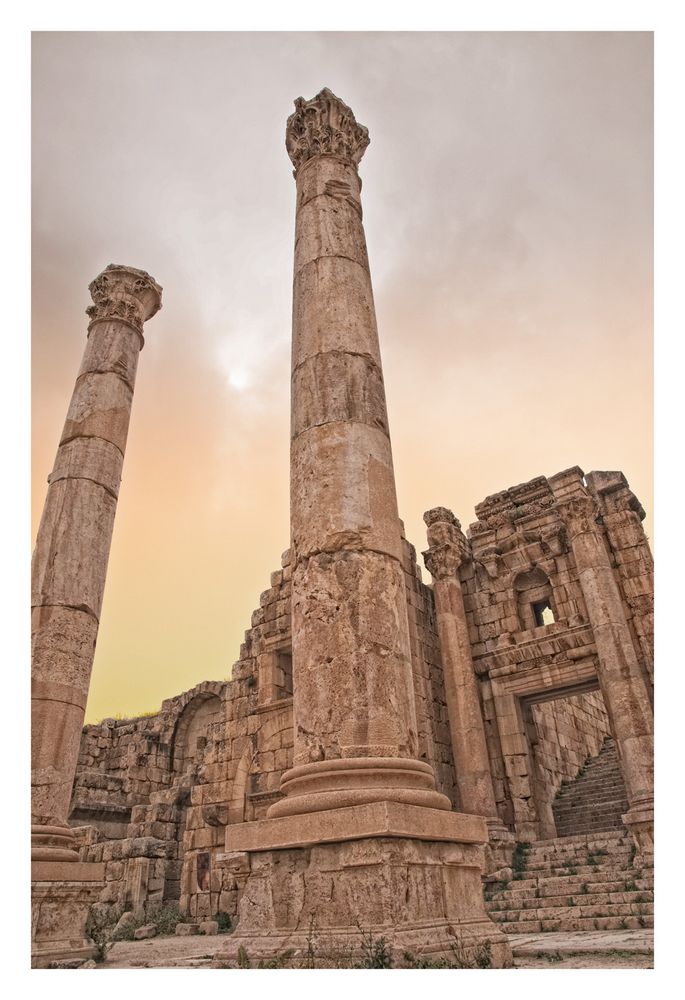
507	196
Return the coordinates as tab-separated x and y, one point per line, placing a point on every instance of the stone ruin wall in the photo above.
521	555
172	821
166	822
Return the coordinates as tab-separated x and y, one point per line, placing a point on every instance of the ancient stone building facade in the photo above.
161	789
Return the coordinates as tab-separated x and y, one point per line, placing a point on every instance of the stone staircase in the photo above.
583	883
594	801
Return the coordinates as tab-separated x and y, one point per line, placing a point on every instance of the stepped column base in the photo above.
406	873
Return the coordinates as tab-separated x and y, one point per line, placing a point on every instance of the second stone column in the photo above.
361	837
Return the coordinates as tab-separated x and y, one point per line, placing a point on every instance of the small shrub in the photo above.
125	933
375	954
483	956
166	918
413	962
519	861
223	919
99	928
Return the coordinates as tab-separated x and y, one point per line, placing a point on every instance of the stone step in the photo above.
565	870
574	912
576	924
595	800
594	898
569	884
604	798
586	859
580	839
603	773
591	828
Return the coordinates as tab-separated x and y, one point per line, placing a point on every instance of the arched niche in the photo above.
534	598
190	732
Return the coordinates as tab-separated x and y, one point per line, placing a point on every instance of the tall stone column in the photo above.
448	549
68	578
620	677
361	836
353	703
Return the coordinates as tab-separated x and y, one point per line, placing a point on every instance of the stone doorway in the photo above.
563	729
550	720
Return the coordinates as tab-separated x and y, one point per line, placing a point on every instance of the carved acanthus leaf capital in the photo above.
579	514
324	126
443	560
449	547
126	294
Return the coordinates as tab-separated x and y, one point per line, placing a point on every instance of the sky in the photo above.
507	196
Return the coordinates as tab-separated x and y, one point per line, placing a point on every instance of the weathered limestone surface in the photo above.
420	896
356	786
353	685
68	578
74	537
448	549
238	762
621	679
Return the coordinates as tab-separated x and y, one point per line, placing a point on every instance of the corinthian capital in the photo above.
324	126
579	514
125	294
442	561
448	545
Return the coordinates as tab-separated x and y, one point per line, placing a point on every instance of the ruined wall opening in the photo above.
190	734
543	613
564	729
275	667
534	599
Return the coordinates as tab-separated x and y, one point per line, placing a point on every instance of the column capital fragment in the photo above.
324	126
125	294
448	545
579	513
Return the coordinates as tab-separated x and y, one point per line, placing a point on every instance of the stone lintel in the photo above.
67	871
374	819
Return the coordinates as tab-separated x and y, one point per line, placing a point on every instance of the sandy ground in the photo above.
631	949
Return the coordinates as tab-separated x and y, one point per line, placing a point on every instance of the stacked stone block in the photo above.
172	845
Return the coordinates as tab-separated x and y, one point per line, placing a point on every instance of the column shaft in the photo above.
353	703
448	548
620	676
72	548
